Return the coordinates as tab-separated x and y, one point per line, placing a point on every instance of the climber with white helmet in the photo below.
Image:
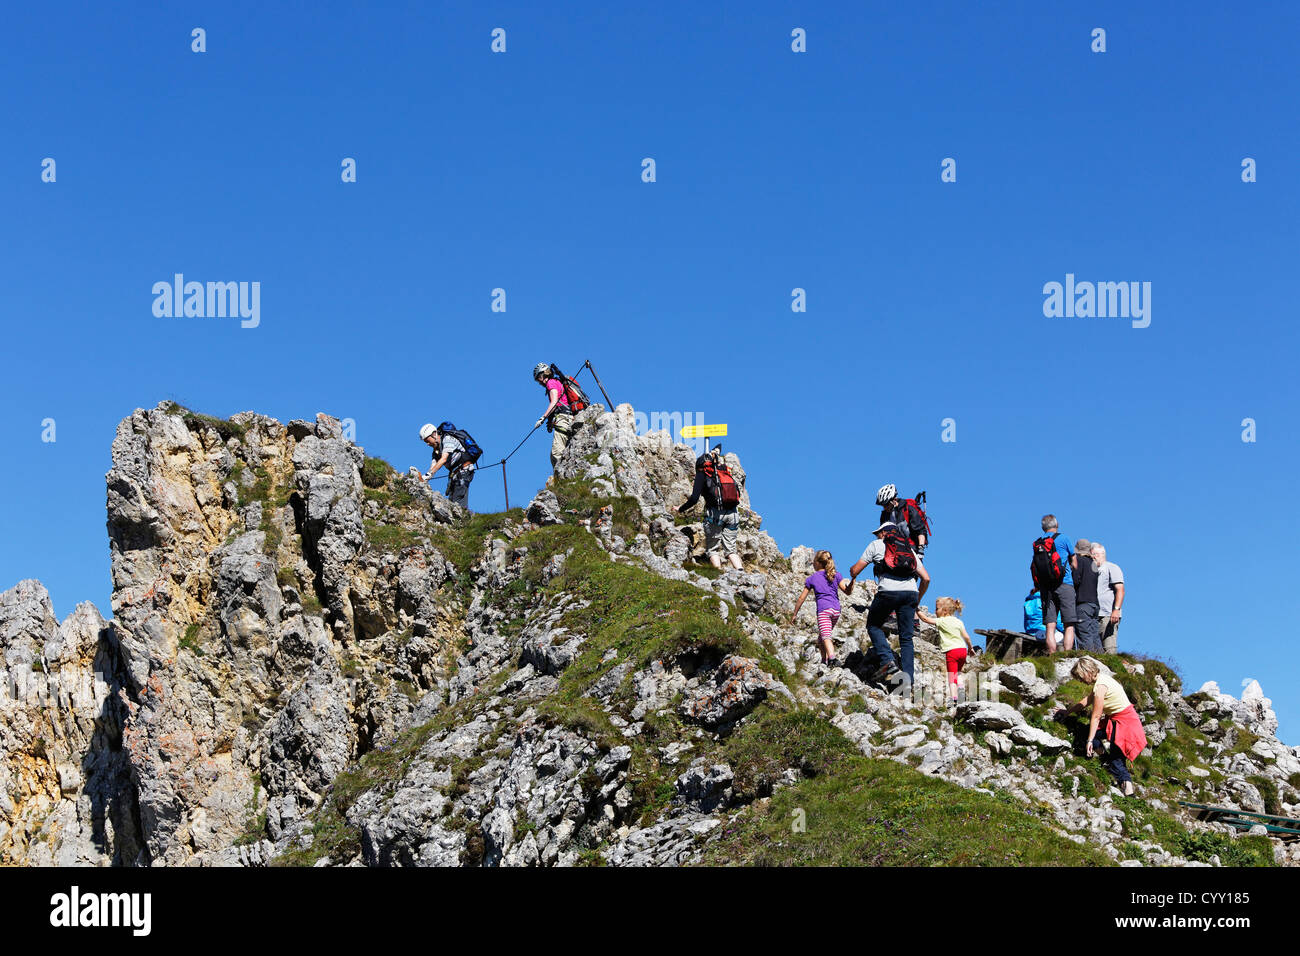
565	399
907	513
455	450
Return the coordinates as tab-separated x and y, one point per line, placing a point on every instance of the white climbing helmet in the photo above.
426	431
886	494
541	368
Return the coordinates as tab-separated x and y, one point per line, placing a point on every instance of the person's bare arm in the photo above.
846	586
554	395
1119	602
969	645
438	463
856	570
920	612
1098	708
925	579
799	603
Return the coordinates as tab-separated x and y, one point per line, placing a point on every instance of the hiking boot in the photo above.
886	673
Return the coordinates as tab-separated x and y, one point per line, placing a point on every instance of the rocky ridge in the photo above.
316	660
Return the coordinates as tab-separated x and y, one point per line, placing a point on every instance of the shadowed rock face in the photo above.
316	659
65	790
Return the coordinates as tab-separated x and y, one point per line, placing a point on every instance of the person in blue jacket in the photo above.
1034	616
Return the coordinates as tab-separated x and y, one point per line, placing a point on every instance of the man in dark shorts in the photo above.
1061	598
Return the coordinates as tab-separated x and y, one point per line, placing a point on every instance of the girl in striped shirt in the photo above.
826	583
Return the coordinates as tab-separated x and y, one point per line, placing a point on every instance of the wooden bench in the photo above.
1283	827
1007	646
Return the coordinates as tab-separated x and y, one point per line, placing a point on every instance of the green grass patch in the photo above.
390	537
375	472
769	742
1196	845
704	569
582	715
195	422
1200	845
255	828
462	544
1268	790
882	813
630	610
190	640
576	494
259	490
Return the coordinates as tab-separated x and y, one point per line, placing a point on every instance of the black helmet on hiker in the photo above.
886	494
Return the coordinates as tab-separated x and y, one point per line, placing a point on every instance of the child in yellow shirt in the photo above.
954	642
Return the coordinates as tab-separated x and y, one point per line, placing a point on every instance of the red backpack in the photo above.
910	514
900	559
1046	567
577	398
719	481
918	522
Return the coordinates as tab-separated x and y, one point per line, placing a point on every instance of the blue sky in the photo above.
775	170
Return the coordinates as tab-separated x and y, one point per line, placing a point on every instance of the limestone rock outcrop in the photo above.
314	659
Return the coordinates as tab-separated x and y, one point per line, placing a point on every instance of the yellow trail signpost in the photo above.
704	431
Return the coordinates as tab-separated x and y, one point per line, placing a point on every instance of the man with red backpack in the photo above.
714	481
907	513
898	570
565	399
1053	573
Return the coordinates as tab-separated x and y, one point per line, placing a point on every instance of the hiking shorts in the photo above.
955	660
1062	599
720	529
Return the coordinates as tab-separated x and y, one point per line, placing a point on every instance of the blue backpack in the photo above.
472	451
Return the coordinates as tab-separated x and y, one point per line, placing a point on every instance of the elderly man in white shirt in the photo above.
1110	597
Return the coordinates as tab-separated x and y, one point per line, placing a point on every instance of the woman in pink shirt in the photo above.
558	417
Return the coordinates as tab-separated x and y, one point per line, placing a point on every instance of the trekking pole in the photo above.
609	404
505	484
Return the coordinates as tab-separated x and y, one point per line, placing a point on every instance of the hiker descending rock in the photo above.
1115	729
565	398
713	480
1052	571
826	583
1110	597
908	513
954	642
897	570
1087	632
455	450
